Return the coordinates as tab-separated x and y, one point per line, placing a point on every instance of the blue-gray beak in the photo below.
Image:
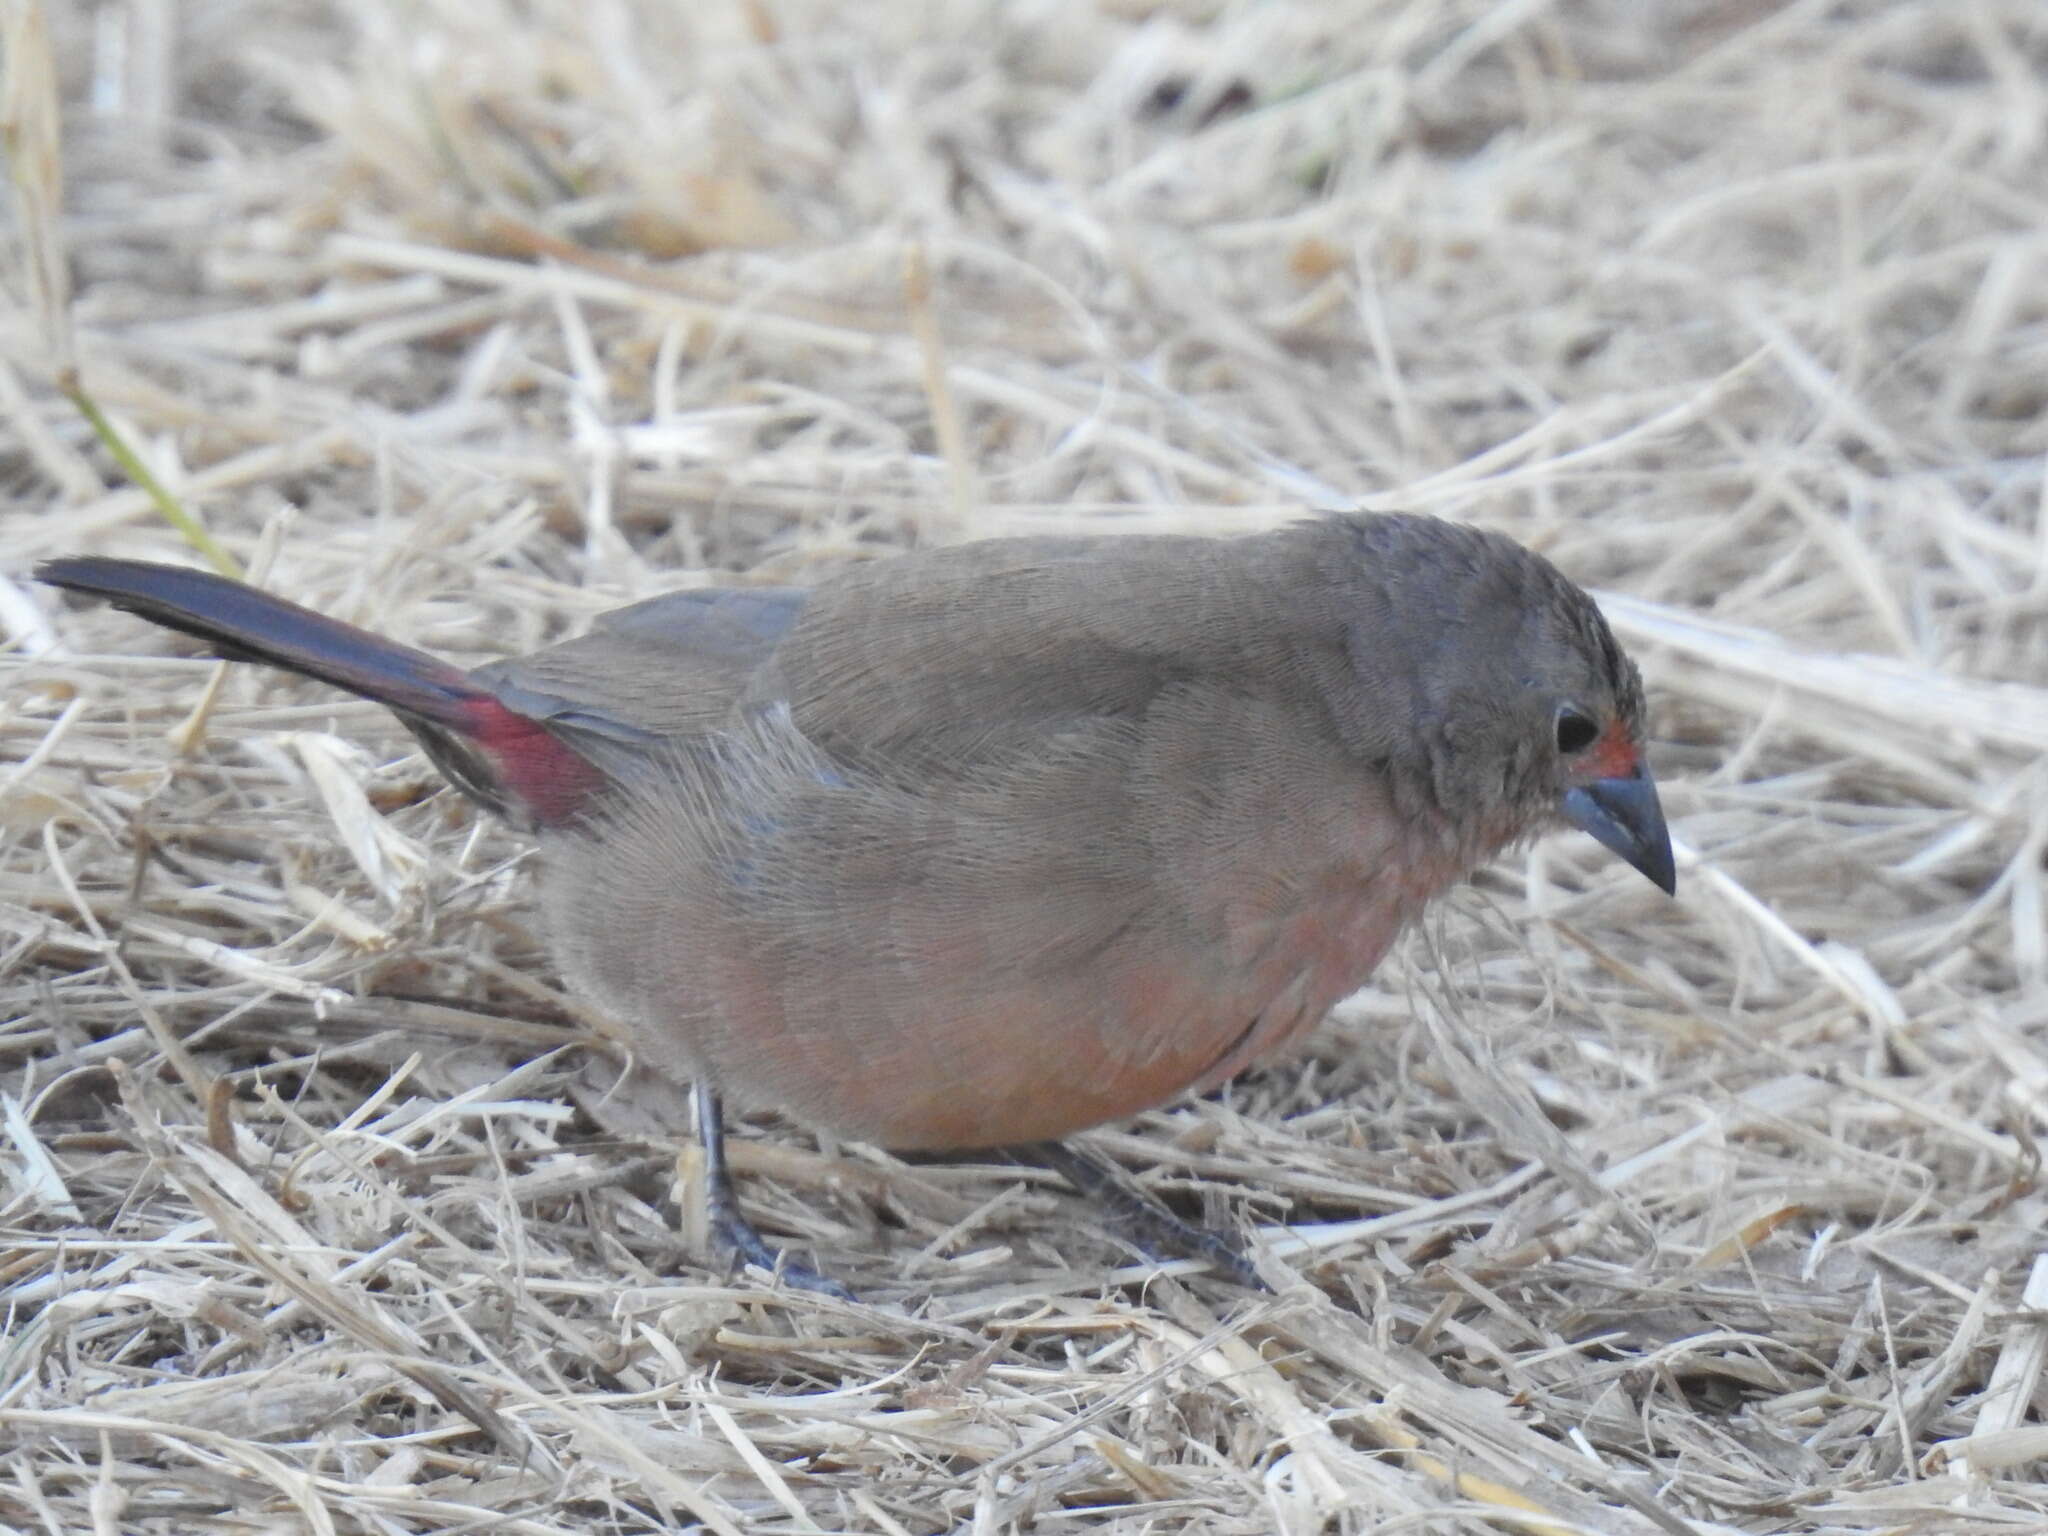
1624	815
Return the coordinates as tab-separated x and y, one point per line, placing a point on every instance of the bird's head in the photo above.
1521	709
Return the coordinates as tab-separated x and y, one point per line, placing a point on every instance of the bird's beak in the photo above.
1624	814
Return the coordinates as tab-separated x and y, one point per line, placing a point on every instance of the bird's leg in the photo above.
730	1230
1135	1215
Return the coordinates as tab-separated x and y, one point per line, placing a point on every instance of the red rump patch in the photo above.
1613	756
538	770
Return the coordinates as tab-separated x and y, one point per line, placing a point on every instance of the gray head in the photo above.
1511	706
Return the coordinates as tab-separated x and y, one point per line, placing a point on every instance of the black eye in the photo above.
1575	732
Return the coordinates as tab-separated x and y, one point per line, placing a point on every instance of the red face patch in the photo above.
1612	756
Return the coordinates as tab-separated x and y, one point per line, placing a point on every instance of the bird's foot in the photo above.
735	1237
1138	1218
732	1235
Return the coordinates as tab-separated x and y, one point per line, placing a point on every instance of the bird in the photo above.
983	845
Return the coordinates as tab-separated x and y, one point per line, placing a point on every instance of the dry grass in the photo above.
1596	1213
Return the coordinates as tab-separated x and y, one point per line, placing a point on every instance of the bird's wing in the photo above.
663	669
951	658
945	662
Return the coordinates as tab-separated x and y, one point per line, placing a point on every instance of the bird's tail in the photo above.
244	624
496	755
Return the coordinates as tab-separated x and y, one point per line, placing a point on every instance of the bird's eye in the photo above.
1575	731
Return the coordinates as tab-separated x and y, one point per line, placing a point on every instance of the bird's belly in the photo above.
1042	1061
1307	960
959	1009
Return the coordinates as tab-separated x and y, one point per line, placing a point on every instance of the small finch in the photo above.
986	845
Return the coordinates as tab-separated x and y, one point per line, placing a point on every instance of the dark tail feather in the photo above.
501	759
245	624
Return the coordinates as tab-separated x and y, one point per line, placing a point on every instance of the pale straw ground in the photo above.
468	319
